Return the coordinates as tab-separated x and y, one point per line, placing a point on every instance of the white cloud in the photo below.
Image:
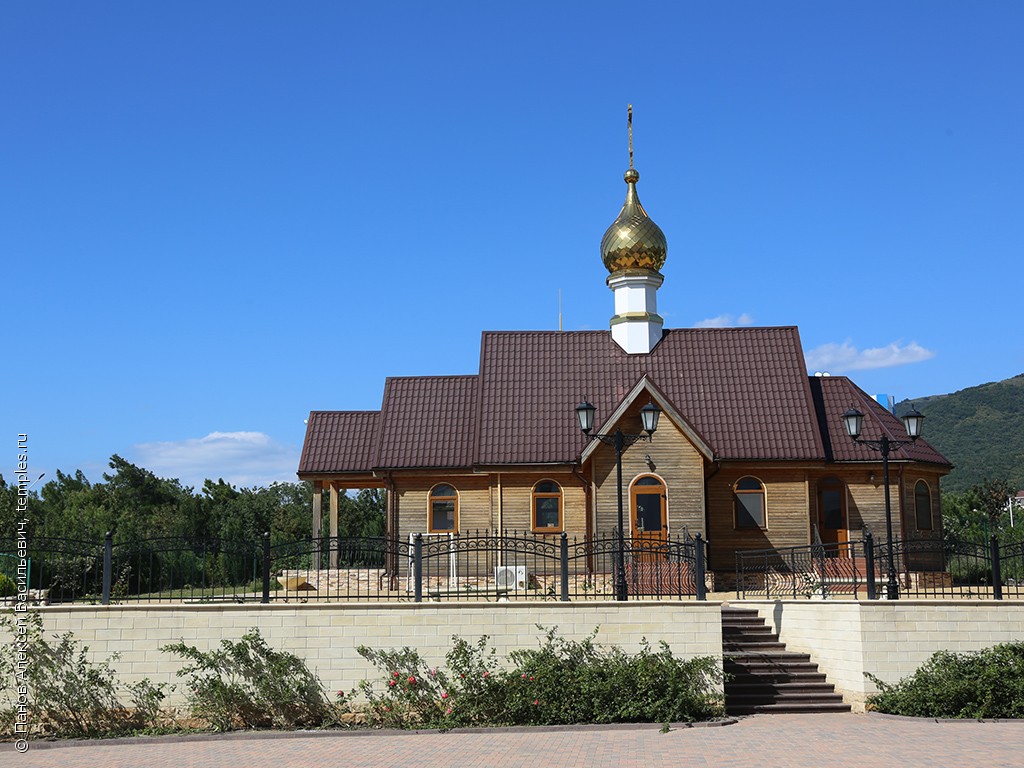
838	358
244	459
725	321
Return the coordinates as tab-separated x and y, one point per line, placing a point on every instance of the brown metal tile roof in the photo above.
339	441
745	390
427	421
833	396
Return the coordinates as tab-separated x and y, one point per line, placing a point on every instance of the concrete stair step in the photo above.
741	617
742	621
751	686
786	708
796	697
764	676
766	657
752	646
779	674
770	680
752	631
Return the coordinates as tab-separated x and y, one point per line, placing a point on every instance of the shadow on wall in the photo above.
777	618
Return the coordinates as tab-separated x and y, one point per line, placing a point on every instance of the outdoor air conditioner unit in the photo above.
510	576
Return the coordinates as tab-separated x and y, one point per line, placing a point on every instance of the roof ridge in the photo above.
349	410
433	376
591	331
741	328
478	397
819	440
382	423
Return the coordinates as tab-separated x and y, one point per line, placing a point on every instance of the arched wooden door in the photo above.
648	515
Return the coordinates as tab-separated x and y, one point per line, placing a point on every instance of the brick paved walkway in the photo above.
781	741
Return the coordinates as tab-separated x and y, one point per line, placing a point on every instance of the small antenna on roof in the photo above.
559	309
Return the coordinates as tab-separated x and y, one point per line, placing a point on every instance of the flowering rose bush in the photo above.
560	682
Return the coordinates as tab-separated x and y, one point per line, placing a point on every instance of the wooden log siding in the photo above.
787	513
866	504
676	462
474	501
516	501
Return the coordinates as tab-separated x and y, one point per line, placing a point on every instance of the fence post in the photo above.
997	576
108	566
856	576
417	559
792	569
698	543
869	565
740	573
266	567
564	556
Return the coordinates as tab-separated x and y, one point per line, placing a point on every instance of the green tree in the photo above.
979	511
358	515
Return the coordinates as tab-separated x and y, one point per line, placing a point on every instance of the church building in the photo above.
749	451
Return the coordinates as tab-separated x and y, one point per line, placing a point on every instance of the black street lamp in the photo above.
649	415
912	422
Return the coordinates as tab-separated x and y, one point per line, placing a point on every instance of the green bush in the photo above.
985	684
7	587
68	695
250	685
561	682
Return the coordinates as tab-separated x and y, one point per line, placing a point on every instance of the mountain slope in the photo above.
980	429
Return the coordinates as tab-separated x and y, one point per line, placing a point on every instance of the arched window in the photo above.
923	505
444	509
547	506
748	503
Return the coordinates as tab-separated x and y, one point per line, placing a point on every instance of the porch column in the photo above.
393	531
334	525
318	491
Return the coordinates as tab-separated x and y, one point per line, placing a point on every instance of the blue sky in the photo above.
215	217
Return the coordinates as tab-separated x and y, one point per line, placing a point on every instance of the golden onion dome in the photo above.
633	241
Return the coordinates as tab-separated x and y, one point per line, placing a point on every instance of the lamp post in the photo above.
649	415
912	422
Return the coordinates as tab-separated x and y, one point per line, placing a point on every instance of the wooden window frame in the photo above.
534	496
917	509
431	498
763	492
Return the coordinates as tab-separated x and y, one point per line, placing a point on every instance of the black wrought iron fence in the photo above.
1010	561
171	568
66	570
14	570
817	570
941	568
336	568
467	566
484	565
155	569
931	567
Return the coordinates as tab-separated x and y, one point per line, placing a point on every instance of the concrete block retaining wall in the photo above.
326	636
845	638
888	639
